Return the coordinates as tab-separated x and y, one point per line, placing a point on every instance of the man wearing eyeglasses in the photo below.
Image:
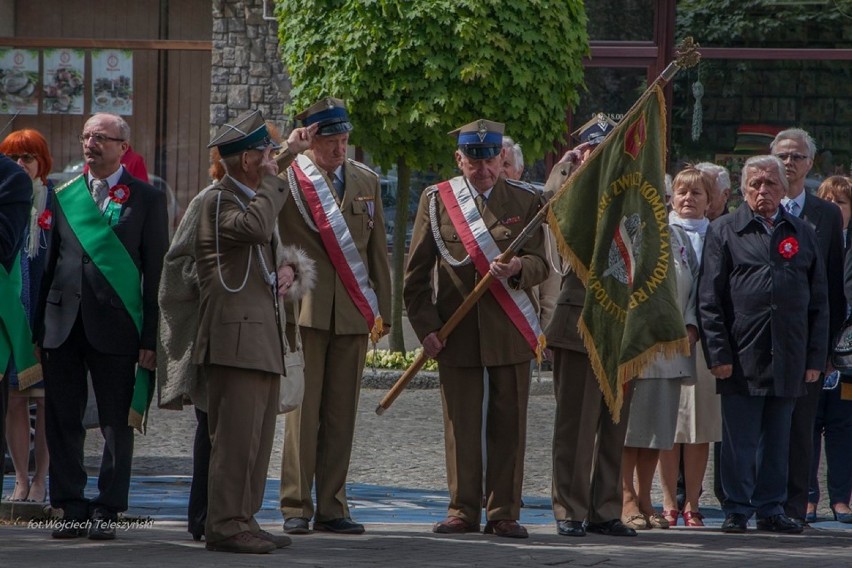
109	237
796	149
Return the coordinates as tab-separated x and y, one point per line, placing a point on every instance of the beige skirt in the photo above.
699	419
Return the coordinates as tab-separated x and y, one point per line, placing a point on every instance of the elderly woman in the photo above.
700	416
834	413
656	396
763	304
29	149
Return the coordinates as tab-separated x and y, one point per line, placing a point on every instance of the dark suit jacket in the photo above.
16	195
72	284
765	314
827	221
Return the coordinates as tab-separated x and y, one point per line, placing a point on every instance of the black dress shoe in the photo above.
343	525
570	528
296	525
610	528
197	531
70	528
103	528
780	524
735	523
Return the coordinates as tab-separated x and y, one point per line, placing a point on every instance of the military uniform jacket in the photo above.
238	329
485	336
362	209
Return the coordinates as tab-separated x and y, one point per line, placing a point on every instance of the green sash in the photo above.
15	334
113	261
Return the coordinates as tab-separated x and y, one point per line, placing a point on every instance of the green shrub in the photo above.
384	359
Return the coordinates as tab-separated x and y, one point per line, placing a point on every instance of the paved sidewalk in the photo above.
398	524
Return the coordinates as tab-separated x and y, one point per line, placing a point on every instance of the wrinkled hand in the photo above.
286	276
507	270
268	163
148	359
432	345
692	336
722	371
811	375
301	138
576	156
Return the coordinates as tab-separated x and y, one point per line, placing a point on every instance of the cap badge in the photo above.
482	131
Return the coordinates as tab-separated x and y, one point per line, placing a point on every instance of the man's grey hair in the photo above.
123	127
763	163
232	162
719	174
515	149
795	134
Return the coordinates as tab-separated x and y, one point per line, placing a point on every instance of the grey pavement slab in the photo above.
166	543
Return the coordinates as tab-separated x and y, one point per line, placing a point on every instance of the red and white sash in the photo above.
477	241
338	242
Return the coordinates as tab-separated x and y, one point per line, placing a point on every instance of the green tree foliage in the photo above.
410	71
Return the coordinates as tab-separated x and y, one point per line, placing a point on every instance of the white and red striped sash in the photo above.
461	207
338	242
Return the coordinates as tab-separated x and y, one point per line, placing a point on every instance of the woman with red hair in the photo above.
29	149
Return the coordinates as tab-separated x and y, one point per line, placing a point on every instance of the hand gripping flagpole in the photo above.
687	55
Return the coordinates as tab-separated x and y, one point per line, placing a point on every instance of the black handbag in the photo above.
841	357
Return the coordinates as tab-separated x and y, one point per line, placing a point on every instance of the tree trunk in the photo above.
400	228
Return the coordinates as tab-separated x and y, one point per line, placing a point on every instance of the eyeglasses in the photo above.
795	156
98	138
25	158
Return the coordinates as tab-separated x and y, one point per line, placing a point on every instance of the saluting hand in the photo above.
301	138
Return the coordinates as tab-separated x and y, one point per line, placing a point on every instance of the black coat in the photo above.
765	314
16	196
72	284
826	220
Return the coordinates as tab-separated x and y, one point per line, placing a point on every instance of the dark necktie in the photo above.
338	185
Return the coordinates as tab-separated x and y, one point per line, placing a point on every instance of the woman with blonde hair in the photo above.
29	149
655	406
699	420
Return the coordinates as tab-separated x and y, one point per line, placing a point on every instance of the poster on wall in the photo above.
19	85
112	81
63	81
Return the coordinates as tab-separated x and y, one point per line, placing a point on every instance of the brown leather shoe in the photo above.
507	528
244	542
280	541
455	525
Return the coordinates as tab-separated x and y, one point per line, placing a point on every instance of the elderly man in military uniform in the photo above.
239	344
335	215
587	442
461	228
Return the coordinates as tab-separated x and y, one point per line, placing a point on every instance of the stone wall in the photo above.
246	72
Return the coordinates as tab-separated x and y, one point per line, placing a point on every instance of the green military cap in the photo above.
595	130
480	139
330	114
246	132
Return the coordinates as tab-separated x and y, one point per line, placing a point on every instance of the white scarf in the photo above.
695	229
39	203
